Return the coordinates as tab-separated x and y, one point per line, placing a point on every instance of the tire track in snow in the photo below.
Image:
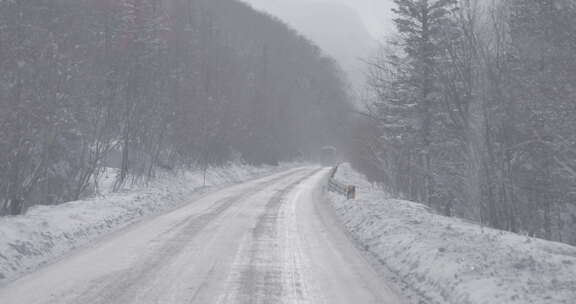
118	287
258	275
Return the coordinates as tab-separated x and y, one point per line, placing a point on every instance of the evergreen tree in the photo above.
422	25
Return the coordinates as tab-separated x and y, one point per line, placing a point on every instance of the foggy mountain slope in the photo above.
335	27
350	43
142	85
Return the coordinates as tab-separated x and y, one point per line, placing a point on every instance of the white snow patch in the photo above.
45	233
448	260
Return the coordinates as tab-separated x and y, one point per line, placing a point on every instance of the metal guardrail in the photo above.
335	186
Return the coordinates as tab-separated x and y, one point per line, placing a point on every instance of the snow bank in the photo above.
46	232
447	260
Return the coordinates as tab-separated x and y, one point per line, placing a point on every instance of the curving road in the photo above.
270	240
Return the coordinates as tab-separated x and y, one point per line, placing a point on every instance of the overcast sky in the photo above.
375	14
345	29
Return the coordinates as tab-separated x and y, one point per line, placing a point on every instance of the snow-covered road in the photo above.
271	240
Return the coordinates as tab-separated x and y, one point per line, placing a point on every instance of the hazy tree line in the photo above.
145	84
473	112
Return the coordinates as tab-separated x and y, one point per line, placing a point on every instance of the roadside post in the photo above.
349	191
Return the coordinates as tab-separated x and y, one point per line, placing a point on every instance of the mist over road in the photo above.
270	240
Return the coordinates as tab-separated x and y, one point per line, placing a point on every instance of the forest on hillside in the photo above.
142	85
472	110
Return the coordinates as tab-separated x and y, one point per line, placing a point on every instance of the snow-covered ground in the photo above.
447	260
270	240
45	233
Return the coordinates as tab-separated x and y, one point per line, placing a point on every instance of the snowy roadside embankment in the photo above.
45	233
447	260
